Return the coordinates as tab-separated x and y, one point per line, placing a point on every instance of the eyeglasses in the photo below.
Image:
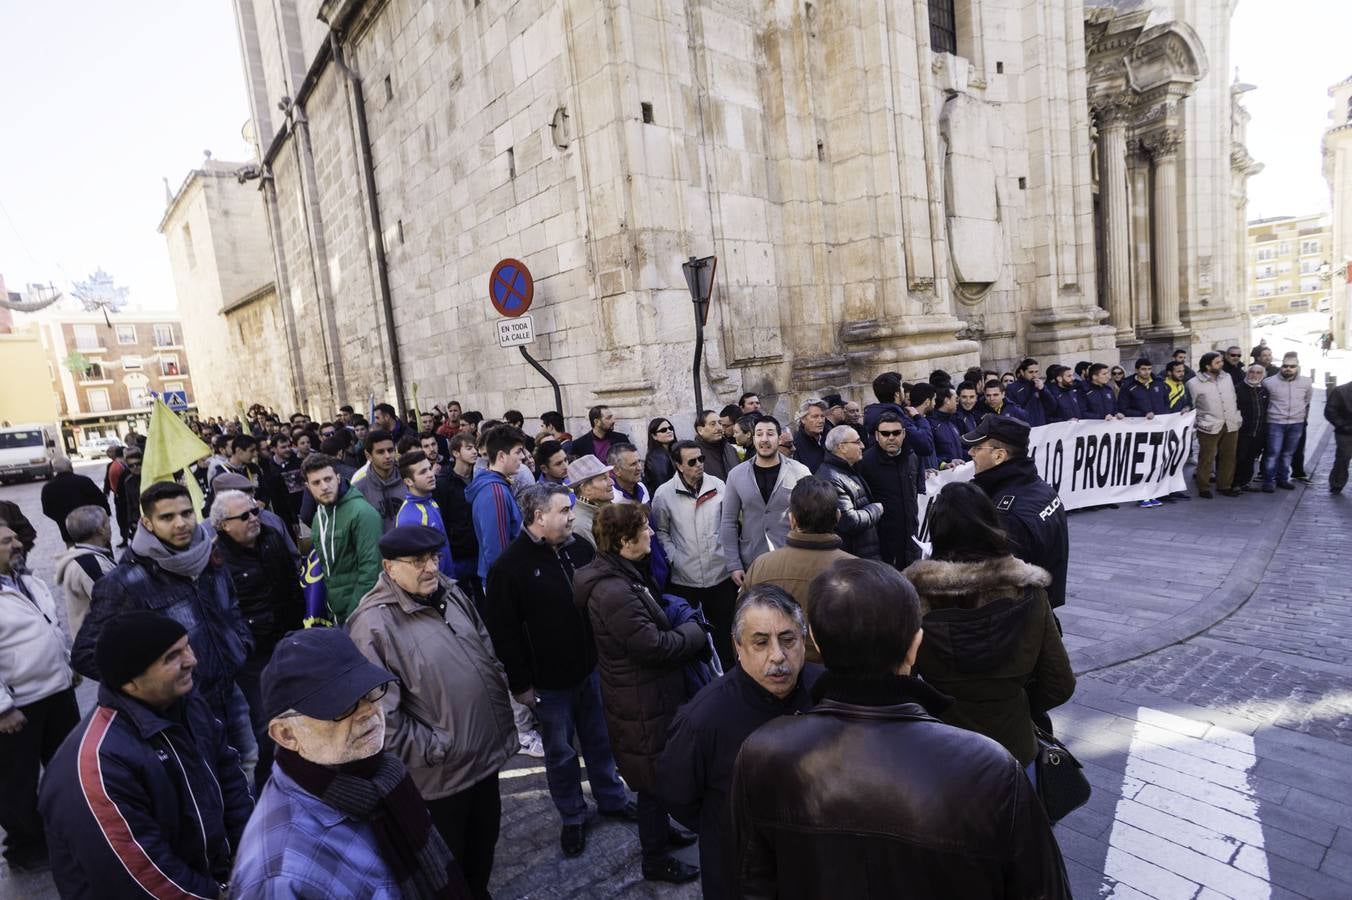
1290	367
887	434
1233	355
429	561
665	429
250	513
695	460
371	696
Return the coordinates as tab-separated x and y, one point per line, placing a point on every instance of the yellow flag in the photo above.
171	447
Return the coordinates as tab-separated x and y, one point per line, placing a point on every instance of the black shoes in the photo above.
626	813
1205	495
1269	489
671	870
573	840
679	837
1233	492
1286	485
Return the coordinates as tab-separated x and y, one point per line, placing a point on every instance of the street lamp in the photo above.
699	277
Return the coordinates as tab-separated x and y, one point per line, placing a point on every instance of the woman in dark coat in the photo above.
990	640
658	467
641	658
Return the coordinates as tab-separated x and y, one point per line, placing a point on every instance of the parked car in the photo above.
26	451
1269	320
98	447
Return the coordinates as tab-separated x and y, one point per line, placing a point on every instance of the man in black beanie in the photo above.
145	796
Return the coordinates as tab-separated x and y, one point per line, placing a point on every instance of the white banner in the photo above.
1093	463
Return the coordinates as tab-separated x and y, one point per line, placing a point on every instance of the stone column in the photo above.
1138	198
1163	148
1112	157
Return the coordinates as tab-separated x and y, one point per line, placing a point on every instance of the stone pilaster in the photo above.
1163	147
1116	236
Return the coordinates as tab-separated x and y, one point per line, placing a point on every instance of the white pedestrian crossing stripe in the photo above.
1187	824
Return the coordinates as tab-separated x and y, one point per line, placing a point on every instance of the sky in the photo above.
102	101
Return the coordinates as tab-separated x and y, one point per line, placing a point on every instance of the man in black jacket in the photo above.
600	438
1338	410
892	473
1252	397
67	492
545	643
267	584
868	793
456	474
859	512
770	680
1030	510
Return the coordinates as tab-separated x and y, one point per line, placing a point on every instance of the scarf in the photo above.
188	563
379	792
1176	389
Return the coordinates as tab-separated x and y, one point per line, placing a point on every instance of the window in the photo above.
138	397
1308	266
1308	285
126	334
131	363
943	26
174	386
169	365
1284	249
1283	287
164	335
1283	268
1300	304
93	372
1265	290
188	250
98	400
1257	307
1266	271
86	337
1309	247
1265	253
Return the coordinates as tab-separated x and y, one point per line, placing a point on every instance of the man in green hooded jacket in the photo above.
346	534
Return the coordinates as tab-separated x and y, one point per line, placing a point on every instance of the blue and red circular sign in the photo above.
511	287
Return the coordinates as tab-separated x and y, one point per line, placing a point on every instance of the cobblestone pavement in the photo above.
1213	713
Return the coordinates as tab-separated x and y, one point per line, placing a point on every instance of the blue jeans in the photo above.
563	713
1281	447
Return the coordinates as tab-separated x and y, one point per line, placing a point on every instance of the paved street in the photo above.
1213	640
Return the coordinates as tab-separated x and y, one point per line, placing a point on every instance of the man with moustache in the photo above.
146	796
339	810
770	680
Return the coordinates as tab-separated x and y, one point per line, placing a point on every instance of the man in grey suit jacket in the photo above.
756	501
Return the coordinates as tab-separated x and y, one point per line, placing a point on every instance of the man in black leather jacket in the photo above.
868	794
1030	510
859	512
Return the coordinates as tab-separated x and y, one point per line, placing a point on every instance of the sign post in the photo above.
511	289
699	277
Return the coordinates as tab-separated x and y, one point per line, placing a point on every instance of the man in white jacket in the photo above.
1218	423
37	703
687	514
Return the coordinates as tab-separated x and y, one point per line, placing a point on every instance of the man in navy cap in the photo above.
1030	511
145	797
449	716
338	811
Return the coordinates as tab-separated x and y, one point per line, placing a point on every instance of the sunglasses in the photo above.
888	434
371	696
665	429
695	459
252	513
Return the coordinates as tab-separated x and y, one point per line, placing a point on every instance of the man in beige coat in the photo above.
88	558
448	716
812	547
1218	423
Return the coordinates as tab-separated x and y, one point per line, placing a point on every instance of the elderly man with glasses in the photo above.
264	572
339	811
859	512
449	717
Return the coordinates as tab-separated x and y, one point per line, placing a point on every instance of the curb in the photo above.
1223	601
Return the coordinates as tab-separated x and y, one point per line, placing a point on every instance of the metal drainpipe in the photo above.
373	210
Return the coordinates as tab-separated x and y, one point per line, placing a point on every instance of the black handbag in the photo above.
1061	785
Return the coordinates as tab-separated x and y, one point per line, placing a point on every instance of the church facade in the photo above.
886	186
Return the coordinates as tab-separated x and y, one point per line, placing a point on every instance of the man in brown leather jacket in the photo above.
868	794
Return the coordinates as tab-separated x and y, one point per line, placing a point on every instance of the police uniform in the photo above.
1030	510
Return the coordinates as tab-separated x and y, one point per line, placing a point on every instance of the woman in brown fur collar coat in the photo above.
990	639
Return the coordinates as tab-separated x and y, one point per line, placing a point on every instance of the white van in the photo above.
26	451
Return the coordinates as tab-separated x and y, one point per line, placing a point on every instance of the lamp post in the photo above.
699	277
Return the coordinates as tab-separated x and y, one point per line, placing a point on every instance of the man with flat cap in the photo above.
1030	510
449	716
145	797
339	811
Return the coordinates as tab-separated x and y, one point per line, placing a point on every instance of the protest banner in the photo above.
1094	463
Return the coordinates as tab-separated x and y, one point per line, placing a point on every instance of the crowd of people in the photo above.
737	630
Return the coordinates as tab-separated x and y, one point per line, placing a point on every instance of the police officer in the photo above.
1030	510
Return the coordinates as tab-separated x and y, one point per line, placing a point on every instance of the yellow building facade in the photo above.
1288	262
28	396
